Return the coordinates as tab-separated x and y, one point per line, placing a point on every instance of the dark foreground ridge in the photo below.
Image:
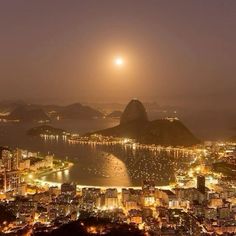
134	124
94	226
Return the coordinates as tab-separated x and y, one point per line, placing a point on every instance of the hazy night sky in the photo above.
175	52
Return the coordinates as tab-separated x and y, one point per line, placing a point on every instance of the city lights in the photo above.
118	118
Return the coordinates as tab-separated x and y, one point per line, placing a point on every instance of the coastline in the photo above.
79	187
45	173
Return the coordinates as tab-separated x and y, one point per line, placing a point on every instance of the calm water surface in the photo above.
95	165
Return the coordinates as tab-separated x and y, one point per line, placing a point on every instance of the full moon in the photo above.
119	61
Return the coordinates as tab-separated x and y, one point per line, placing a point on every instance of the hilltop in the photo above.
27	113
134	124
35	112
78	111
45	130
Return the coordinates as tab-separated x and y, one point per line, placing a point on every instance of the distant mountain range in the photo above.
26	113
218	124
134	124
34	112
8	106
78	111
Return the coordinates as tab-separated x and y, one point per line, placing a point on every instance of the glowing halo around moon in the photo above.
119	61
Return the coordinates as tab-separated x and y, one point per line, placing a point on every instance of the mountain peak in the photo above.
134	111
134	124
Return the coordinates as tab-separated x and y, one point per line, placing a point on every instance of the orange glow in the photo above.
119	61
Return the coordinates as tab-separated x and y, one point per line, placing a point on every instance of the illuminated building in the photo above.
129	205
22	189
6	158
111	198
91	193
17	157
166	197
9	180
47	162
148	188
135	216
67	188
201	183
100	201
125	195
2	180
54	190
12	180
24	164
149	200
190	194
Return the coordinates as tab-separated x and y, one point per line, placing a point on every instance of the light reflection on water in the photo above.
96	165
103	169
117	165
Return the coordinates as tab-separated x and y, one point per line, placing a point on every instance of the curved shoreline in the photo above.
41	182
79	187
53	171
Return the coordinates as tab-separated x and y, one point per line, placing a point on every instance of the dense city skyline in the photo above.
181	53
117	117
